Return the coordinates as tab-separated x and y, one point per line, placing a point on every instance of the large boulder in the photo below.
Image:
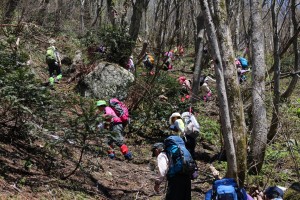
106	81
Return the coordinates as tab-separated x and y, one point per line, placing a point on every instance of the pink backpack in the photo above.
120	109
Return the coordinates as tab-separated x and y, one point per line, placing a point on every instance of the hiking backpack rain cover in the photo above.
192	127
120	109
226	189
180	159
50	55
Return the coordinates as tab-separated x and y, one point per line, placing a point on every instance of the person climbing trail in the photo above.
114	124
167	63
54	64
177	124
205	90
130	64
185	88
175	165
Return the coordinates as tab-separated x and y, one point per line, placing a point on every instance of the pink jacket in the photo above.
108	111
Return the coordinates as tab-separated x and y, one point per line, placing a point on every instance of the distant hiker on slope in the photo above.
205	90
185	88
54	63
130	64
115	125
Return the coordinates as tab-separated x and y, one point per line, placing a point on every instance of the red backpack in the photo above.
120	109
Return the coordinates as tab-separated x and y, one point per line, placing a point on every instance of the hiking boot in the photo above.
111	155
51	81
128	156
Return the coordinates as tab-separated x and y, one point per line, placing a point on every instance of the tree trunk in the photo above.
99	6
42	13
259	131
232	89
275	119
294	80
197	66
138	8
58	16
236	26
82	15
111	12
10	8
224	109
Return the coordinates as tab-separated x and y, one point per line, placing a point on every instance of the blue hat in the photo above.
274	193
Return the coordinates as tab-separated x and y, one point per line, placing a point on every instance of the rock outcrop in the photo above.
106	81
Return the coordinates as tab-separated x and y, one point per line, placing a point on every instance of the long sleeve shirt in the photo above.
163	167
108	111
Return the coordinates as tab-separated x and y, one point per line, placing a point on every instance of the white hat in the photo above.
51	41
176	114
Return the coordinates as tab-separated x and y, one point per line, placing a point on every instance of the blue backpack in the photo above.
180	159
244	62
226	189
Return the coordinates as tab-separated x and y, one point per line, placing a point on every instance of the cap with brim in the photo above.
274	192
156	146
174	115
101	103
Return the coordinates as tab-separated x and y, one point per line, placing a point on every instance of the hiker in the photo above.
54	64
228	189
169	56
185	88
148	61
242	74
271	193
205	90
177	124
130	64
170	168
114	124
191	131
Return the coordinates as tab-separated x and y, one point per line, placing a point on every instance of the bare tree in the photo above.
232	88
294	80
138	7
259	115
197	65
224	108
9	11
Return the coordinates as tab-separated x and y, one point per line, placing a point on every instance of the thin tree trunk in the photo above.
295	78
232	89
275	119
259	131
224	109
138	8
82	16
99	5
10	8
58	16
199	52
42	13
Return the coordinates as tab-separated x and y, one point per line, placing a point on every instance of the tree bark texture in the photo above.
197	66
10	8
295	78
232	88
276	56
259	131
136	18
224	108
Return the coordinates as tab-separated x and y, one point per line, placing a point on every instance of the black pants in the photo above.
52	68
179	188
190	144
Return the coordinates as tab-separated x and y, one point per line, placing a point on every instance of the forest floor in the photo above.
29	172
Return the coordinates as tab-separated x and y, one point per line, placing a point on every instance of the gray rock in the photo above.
106	81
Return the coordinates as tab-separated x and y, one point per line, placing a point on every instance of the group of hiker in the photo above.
186	88
176	154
